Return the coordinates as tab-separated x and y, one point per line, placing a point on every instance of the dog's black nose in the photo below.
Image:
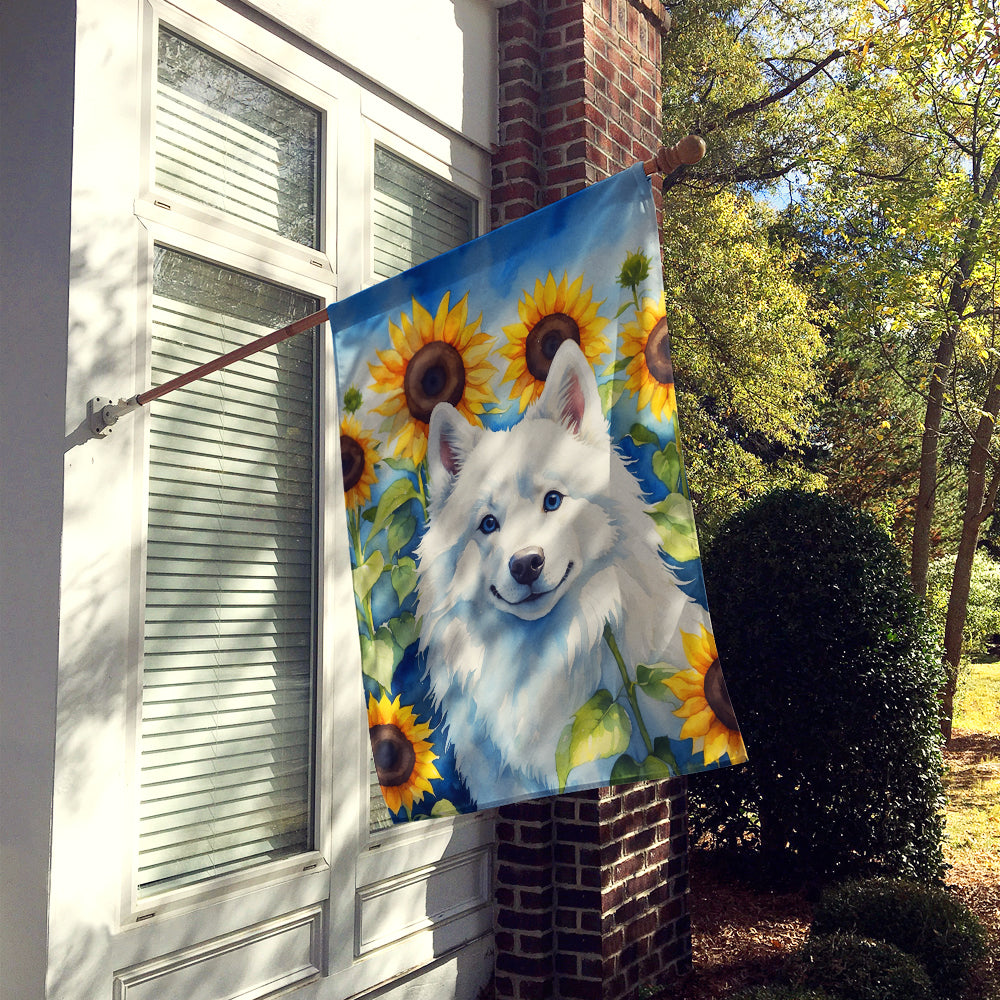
526	565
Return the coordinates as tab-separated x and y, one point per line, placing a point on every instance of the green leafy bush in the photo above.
926	922
833	671
856	968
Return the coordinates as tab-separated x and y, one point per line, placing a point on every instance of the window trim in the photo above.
180	224
393	848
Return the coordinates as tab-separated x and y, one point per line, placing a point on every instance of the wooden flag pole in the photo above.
103	413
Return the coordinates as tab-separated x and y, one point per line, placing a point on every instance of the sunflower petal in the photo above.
698	725
716	742
691	707
686	684
549	294
699	649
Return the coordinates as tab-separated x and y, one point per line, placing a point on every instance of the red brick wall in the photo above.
591	893
591	889
579	96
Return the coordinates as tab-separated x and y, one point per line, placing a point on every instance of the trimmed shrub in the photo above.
857	968
834	673
924	921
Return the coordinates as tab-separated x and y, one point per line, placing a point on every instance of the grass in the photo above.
978	698
974	774
973	811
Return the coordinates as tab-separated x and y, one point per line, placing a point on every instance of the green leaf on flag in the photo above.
651	679
625	770
400	464
655	767
367	574
601	728
610	392
405	630
664	752
396	494
667	467
378	657
401	529
404	578
641	434
674	520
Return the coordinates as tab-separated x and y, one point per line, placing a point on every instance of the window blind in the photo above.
416	216
228	652
228	140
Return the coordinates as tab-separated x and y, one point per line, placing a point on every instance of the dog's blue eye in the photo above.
552	500
489	524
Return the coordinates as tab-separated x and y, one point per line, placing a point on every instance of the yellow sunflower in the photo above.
711	722
403	756
358	456
650	372
434	359
556	312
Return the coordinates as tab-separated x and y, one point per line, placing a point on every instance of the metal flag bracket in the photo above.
103	413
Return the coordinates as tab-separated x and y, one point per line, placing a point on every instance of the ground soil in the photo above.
742	935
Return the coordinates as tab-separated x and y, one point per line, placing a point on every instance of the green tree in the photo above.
912	189
748	357
747	76
879	123
747	349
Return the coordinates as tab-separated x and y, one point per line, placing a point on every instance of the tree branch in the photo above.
754	106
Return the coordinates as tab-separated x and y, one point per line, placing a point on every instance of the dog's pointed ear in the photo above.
450	438
570	396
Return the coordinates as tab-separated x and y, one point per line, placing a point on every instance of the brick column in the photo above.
579	96
591	889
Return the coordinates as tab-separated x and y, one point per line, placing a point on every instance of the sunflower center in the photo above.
435	374
657	353
717	696
394	755
545	339
352	461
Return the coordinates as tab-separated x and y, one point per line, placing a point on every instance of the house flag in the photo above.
528	588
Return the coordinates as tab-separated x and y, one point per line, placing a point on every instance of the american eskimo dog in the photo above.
537	536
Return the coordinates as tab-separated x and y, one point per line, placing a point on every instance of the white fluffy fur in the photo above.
510	672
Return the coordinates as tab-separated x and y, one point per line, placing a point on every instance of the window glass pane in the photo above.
231	141
416	215
228	677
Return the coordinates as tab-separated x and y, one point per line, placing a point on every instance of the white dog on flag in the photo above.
537	537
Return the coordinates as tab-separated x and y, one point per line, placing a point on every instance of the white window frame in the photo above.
180	224
352	874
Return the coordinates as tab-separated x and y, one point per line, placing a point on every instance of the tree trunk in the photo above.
958	299
980	499
920	553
